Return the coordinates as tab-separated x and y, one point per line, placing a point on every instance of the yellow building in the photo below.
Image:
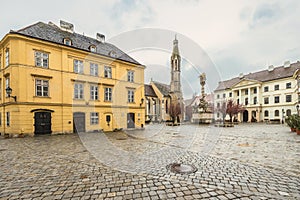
63	82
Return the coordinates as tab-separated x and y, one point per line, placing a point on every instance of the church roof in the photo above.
149	91
262	76
52	33
163	88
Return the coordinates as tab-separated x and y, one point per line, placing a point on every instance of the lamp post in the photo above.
9	91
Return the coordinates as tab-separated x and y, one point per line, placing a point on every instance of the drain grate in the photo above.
180	168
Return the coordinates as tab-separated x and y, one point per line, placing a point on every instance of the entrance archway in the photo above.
245	116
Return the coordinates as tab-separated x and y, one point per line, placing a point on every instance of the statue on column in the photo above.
203	105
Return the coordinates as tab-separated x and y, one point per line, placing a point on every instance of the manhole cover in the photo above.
181	168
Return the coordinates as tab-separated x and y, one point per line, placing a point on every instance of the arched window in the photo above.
266	113
93	48
68	41
288	112
276	113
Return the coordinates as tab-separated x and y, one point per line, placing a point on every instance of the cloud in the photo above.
234	36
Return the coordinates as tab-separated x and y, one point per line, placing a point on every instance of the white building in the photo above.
267	95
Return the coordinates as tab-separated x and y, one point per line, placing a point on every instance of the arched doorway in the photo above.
245	116
42	121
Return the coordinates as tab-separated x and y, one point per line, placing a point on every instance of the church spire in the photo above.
175	47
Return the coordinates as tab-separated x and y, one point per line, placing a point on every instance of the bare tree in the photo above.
174	111
231	108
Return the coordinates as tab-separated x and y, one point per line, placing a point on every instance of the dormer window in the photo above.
93	48
67	41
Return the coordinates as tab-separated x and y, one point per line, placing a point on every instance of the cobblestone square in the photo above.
248	161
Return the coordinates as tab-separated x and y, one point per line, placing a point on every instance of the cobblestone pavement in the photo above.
244	162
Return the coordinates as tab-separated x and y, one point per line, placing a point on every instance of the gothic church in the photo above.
161	97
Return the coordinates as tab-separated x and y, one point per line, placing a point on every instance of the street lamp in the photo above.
9	91
142	101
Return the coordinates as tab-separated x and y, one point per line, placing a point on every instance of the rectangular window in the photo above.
266	89
130	96
246	92
254	90
246	101
288	85
7	83
218	105
107	94
130	76
0	119
266	100
288	98
6	57
94	92
224	95
41	59
93	69
276	99
276	87
78	66
78	91
255	100
218	96
7	118
107	72
41	88
94	118
0	60
237	93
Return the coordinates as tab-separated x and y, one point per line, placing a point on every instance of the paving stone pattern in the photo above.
132	165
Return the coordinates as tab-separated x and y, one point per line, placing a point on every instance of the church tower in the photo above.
175	71
175	85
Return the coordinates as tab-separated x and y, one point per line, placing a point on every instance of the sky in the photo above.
219	38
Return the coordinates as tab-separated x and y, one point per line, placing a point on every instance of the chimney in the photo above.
241	75
100	37
270	68
287	64
66	26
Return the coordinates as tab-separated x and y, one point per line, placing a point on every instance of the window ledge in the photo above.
44	97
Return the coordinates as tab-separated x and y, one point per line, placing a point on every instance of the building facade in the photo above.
64	82
157	102
268	95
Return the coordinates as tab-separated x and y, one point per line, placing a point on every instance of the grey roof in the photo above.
52	33
149	91
163	88
262	76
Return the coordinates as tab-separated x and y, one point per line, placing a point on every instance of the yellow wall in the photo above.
23	72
